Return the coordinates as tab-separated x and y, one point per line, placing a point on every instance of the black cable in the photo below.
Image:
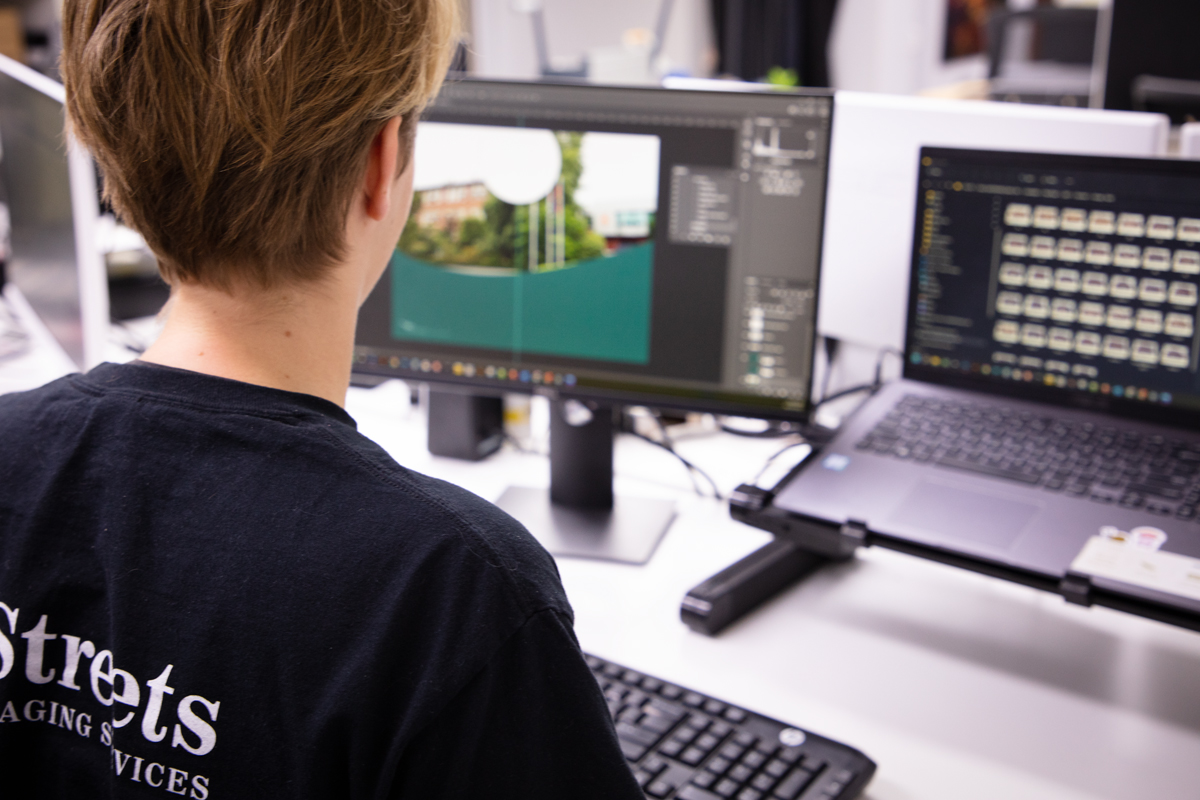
832	345
866	387
669	446
690	466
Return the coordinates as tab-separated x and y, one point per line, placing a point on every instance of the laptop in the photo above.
1046	427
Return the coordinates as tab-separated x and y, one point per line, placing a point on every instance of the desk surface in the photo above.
957	685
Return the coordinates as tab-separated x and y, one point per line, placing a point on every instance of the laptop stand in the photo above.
802	546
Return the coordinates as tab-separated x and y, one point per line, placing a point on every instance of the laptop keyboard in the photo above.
683	745
1104	463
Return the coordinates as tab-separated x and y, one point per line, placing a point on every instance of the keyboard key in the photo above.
632	733
727	788
693	792
793	785
659	725
776	768
654	765
733	751
718	765
749	794
632	750
745	739
763	782
672	748
790	755
705	779
660	789
692	756
741	773
735	715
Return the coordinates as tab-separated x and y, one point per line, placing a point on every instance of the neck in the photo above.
299	339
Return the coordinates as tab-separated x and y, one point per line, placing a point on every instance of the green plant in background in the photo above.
501	237
781	76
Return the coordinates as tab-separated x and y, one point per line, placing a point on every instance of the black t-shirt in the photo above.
217	590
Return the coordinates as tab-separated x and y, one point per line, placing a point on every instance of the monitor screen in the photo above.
634	245
1074	278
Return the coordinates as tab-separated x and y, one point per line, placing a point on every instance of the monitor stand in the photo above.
579	515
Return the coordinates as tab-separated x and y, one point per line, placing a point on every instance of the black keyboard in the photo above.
1106	464
686	745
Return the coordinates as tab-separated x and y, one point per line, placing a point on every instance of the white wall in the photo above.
503	38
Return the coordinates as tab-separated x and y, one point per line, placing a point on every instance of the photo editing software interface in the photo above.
640	244
1078	274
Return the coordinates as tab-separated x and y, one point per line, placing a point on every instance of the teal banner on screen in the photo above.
598	309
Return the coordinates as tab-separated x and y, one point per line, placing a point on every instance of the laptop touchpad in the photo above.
953	513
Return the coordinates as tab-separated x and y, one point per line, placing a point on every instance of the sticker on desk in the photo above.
1126	561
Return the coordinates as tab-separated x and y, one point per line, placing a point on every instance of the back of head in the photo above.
232	134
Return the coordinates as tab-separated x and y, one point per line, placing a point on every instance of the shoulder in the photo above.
448	520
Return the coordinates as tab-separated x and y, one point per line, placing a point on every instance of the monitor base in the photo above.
627	533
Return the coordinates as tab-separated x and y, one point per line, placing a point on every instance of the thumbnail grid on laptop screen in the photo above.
1075	274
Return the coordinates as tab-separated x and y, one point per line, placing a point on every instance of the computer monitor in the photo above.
615	245
49	186
1152	39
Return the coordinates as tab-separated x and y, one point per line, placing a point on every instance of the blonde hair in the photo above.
233	134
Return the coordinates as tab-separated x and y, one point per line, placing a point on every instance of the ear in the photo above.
382	160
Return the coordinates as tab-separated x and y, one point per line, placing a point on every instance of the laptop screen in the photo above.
1065	278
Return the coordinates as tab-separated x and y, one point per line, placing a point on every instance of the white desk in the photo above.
959	686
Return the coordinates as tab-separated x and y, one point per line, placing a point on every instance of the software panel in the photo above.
1074	275
640	245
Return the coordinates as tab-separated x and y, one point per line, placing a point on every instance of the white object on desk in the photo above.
873	187
1189	140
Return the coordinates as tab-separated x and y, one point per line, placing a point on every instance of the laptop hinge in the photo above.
1076	588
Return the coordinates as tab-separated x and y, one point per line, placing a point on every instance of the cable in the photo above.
774	430
832	345
766	466
690	466
669	446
